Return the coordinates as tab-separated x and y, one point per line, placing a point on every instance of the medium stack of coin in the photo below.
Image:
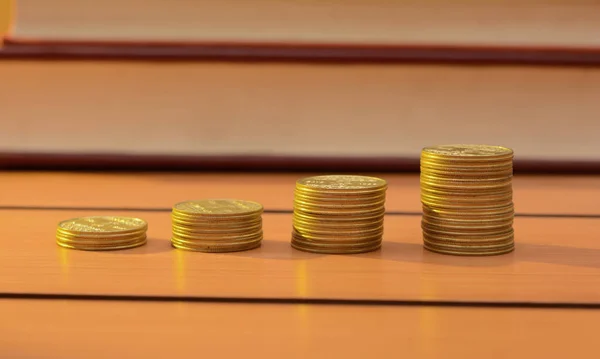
101	233
466	192
338	214
217	225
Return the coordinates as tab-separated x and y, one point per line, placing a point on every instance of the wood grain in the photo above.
56	329
556	261
532	194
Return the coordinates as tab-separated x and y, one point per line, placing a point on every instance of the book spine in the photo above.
289	52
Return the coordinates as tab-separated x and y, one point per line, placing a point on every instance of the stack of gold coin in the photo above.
466	192
101	233
338	214
217	225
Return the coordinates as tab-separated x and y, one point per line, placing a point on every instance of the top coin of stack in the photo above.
101	233
217	225
338	214
466	192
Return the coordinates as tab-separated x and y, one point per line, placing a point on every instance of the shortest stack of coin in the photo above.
101	233
217	225
338	214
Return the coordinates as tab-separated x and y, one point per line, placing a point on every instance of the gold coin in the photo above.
302	246
466	164
355	217
336	225
467	152
190	241
485	224
219	208
468	220
326	198
102	225
99	235
216	237
465	229
475	188
462	253
453	181
455	175
465	191
427	222
198	230
87	246
446	202
217	240
336	231
212	247
469	246
436	192
468	178
461	233
481	169
337	238
108	238
301	202
340	211
216	224
444	238
472	238
106	248
336	244
459	213
341	183
466	206
464	196
99	242
341	195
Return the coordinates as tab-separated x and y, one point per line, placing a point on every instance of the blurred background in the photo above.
302	84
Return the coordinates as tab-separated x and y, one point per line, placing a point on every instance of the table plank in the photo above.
556	260
78	329
533	194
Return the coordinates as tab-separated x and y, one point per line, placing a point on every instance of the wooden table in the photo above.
543	300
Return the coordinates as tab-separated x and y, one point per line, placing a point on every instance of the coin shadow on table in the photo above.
274	249
153	246
557	254
416	253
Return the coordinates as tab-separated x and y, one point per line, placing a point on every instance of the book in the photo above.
539	23
369	111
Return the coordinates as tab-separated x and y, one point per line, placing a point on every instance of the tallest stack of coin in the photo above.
466	192
338	214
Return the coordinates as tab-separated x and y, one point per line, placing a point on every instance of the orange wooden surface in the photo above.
73	329
557	260
533	194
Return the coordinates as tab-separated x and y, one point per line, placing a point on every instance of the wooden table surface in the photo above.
155	301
